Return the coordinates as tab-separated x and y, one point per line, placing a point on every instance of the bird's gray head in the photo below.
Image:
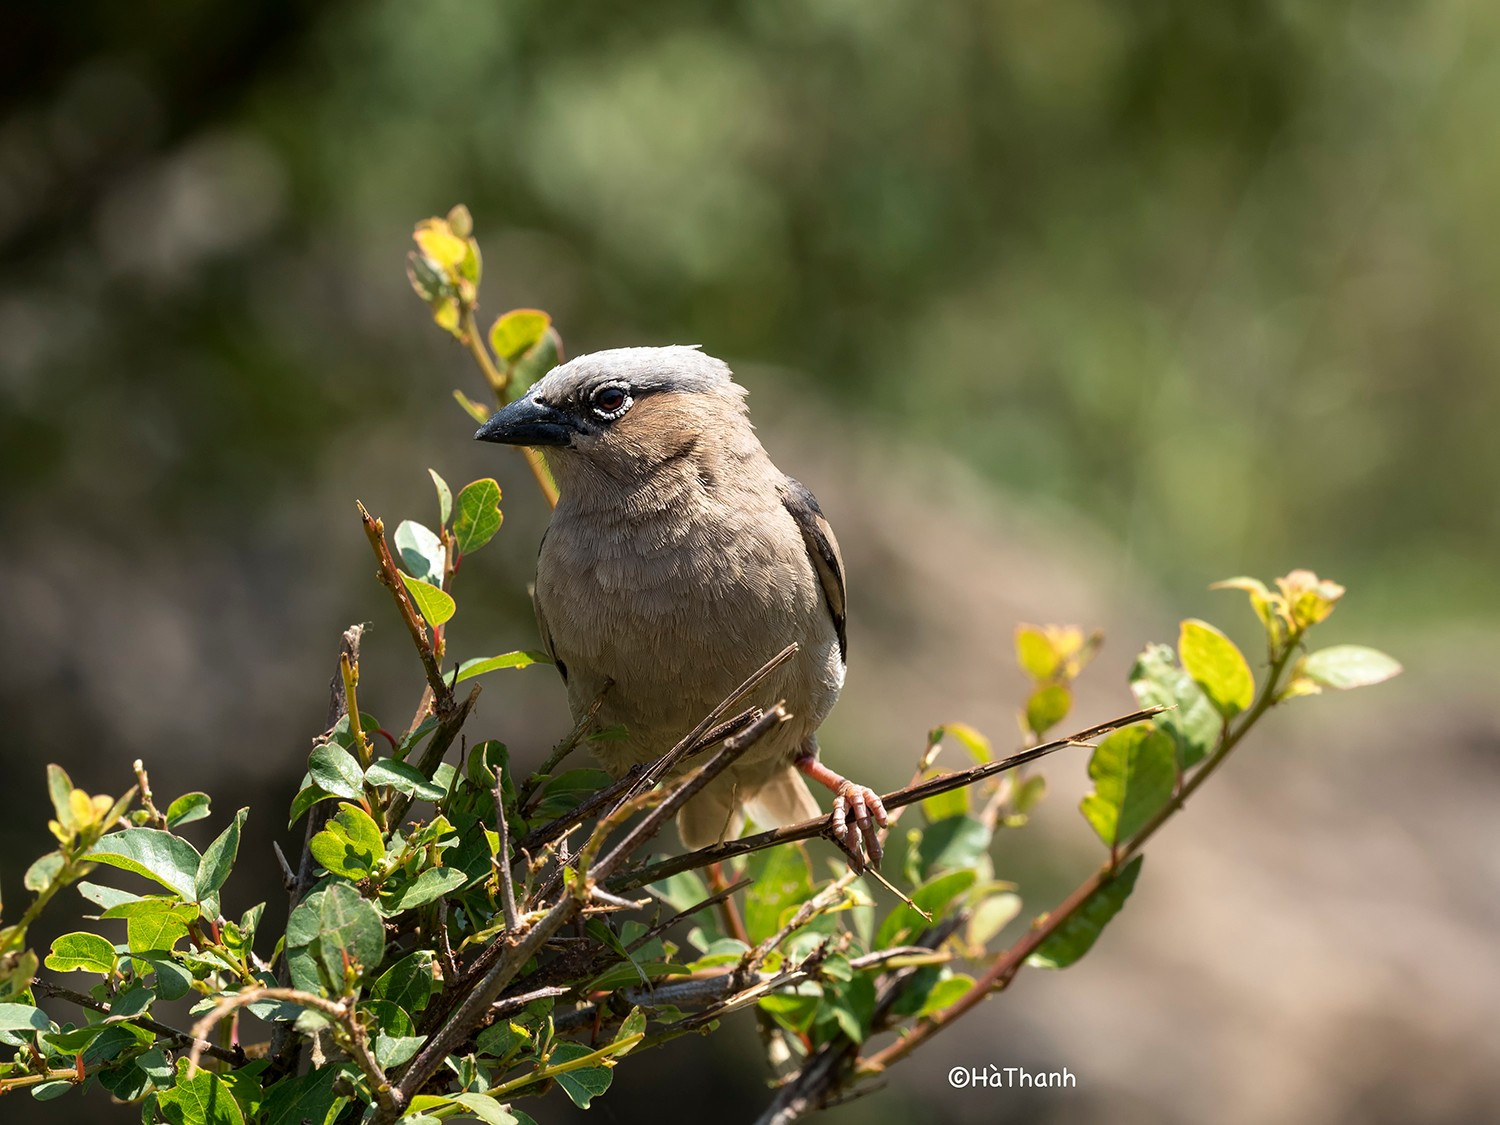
635	403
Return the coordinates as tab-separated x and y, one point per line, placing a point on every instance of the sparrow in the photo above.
678	561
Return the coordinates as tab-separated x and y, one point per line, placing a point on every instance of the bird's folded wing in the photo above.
822	551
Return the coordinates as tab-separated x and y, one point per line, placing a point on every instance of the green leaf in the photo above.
991	915
478	515
23	1017
427	887
1134	772
958	841
782	882
975	743
491	1111
40	874
203	1099
216	863
336	772
350	845
852	1006
432	603
186	809
932	896
407	983
421	551
1194	723
402	778
330	928
81	952
445	497
153	924
1220	668
169	860
518	331
131	1002
945	994
584	1084
942	806
482	664
1035	653
539	359
1343	667
301	1098
1047	707
172	980
1076	936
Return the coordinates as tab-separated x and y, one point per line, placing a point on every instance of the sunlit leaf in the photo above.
1035	654
81	952
433	604
482	664
350	845
215	865
517	331
1220	668
158	855
1348	666
1193	721
1047	707
187	808
477	516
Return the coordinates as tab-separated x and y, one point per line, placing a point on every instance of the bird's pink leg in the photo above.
864	802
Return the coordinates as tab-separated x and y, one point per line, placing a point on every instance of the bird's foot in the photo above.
858	814
864	830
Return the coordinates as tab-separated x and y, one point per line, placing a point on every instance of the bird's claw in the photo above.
860	838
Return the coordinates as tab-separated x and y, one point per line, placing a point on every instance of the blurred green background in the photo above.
1217	281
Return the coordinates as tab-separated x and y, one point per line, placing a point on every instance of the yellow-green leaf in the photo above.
1220	668
81	952
1035	654
1047	707
432	603
517	331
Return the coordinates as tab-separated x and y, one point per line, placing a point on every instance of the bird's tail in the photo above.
714	814
784	799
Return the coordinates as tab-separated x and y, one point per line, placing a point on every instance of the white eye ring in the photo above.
616	396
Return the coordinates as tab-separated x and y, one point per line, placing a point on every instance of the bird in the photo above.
678	560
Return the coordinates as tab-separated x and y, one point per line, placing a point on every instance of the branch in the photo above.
460	1024
340	1012
821	826
235	1057
390	578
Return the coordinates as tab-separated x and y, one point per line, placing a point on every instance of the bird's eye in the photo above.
611	401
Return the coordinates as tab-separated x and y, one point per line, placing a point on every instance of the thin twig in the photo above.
234	1057
340	1012
390	578
502	865
820	826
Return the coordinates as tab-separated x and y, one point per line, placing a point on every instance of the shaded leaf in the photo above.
408	983
421	551
782	882
427	887
585	1083
958	841
1134	772
1194	723
328	930
1076	936
23	1017
945	994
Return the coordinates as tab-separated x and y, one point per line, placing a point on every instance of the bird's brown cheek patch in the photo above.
663	427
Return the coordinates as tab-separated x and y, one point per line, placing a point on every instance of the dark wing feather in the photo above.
822	550
541	623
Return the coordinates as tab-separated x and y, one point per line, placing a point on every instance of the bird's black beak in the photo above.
529	422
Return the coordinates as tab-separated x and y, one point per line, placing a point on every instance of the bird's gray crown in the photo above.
680	367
